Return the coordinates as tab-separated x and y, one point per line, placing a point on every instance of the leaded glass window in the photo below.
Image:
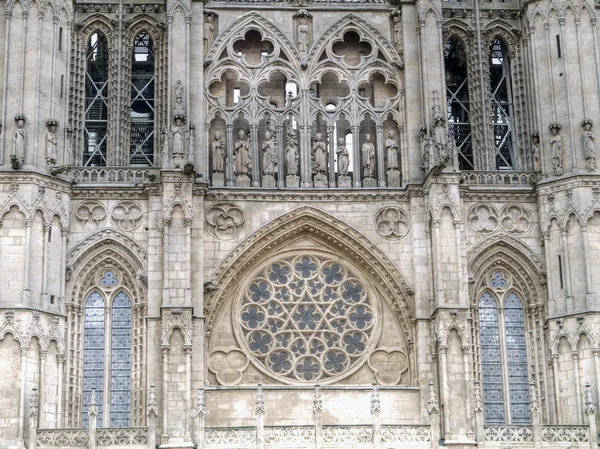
502	107
491	366
457	98
120	387
517	360
96	101
142	101
93	354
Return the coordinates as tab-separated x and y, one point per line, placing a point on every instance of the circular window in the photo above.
307	319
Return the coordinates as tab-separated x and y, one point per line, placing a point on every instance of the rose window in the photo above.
307	319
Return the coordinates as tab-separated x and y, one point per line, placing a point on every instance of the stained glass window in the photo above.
120	386
491	366
517	360
93	354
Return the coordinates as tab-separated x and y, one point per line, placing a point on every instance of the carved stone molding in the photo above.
90	215
391	223
228	365
225	221
486	219
127	215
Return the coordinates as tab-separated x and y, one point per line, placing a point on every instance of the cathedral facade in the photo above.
239	224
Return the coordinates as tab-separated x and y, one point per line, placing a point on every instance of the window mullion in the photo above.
107	364
504	364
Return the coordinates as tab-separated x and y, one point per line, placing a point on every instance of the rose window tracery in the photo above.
307	319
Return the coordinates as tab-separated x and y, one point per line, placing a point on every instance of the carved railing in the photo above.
62	438
405	434
122	436
523	179
239	436
509	434
296	435
565	434
124	175
347	434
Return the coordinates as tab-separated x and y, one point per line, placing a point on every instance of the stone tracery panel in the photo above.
307	318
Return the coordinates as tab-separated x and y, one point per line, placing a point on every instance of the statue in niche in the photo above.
556	149
368	157
291	155
218	153
536	151
51	142
178	100
441	140
177	140
191	142
343	157
18	154
320	152
243	160
209	32
588	145
303	36
269	149
392	152
165	147
68	145
398	33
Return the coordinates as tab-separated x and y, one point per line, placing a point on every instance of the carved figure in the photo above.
165	147
588	145
536	150
303	36
556	149
397	32
392	152
177	136
291	156
19	140
178	101
191	142
51	144
218	153
320	152
243	160
209	32
68	145
440	138
343	157
269	149
368	157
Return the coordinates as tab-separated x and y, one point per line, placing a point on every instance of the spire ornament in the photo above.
260	403
200	405
432	403
152	403
590	407
375	400
478	397
534	404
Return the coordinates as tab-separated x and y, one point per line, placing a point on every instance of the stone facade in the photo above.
249	224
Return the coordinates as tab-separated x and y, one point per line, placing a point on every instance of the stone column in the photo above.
331	150
152	414
230	176
165	399
260	418
479	418
380	156
44	298
255	156
465	352
596	354
26	288
589	296
188	264
200	419
551	304
569	299
93	416
59	391
445	390
33	418
534	408
357	169
188	392
555	370
7	56
575	356
376	418
166	228
24	351
281	156
439	288
42	384
318	415
433	410
63	258
590	411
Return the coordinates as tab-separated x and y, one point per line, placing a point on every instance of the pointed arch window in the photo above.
96	101
503	353
502	107
142	101
107	353
457	100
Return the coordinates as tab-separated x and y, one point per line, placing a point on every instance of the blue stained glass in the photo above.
517	360
120	387
93	354
490	360
109	280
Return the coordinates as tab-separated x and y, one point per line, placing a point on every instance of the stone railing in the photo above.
565	434
125	175
62	438
226	436
512	179
509	434
524	435
127	436
405	434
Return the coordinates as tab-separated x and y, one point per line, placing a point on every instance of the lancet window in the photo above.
503	352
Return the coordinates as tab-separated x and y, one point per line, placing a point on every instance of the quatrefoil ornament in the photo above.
391	223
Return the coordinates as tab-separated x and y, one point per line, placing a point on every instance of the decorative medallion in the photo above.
90	215
127	215
225	221
391	223
307	319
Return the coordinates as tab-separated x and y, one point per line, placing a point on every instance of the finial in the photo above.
432	403
375	401
260	403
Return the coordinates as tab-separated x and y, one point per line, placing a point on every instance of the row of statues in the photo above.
242	155
18	149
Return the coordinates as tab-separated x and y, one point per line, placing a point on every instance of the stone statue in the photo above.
177	139
191	142
19	140
392	152
243	160
398	32
556	149
165	148
291	156
320	152
536	150
368	157
440	139
218	153
68	158
209	32
51	143
588	145
269	149
178	101
303	36
343	157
